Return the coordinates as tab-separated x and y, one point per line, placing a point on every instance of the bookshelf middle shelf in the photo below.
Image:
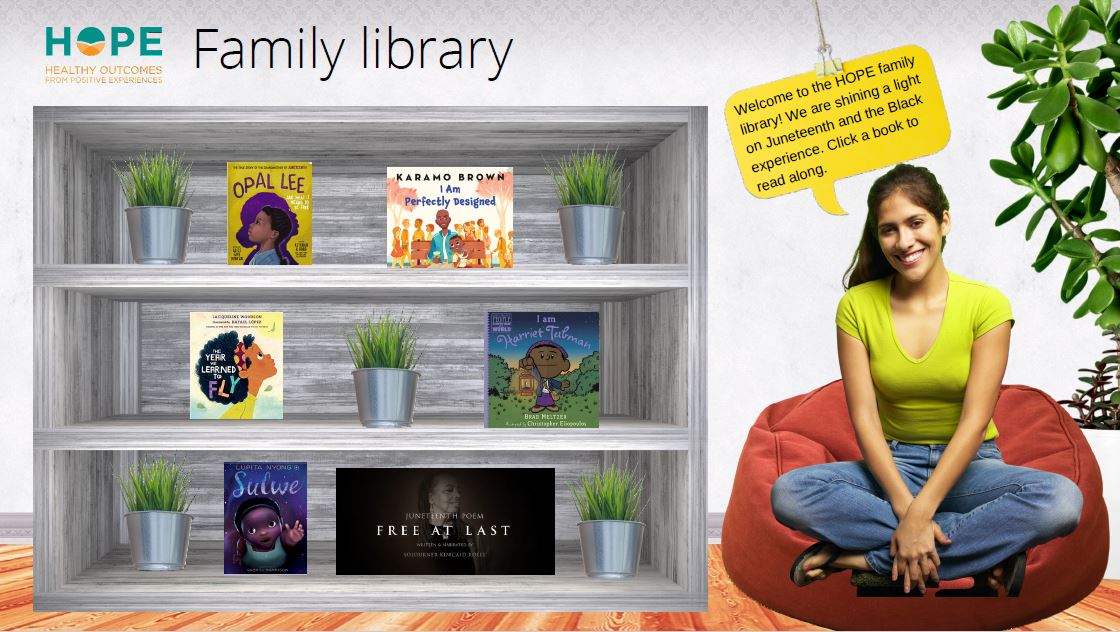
338	432
220	282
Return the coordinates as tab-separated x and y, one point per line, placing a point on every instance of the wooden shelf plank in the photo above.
111	584
345	283
331	432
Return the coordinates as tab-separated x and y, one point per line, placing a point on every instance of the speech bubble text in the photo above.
807	131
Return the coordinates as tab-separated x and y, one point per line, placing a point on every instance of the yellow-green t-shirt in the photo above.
920	399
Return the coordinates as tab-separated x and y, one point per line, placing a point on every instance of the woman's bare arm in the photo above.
989	361
855	368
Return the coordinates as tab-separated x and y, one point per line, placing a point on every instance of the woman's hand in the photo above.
914	551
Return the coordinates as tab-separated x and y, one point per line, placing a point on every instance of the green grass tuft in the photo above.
157	179
588	178
158	485
614	494
385	344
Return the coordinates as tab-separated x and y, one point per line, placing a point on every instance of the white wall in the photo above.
775	265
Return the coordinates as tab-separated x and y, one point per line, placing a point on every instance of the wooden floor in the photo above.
728	609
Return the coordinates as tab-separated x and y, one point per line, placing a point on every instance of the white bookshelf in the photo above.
111	346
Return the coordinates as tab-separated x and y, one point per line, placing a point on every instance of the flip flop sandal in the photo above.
799	576
1015	570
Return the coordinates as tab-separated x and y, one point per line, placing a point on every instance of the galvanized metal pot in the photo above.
591	233
158	233
158	539
611	548
386	397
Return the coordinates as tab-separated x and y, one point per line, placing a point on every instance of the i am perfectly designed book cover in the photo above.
237	365
449	217
542	369
268	213
265	511
446	521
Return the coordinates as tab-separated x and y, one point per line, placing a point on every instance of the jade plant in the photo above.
613	494
159	485
1069	76
386	343
592	178
158	179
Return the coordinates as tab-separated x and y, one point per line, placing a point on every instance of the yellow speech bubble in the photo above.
807	131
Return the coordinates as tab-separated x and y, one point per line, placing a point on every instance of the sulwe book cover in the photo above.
268	207
449	217
445	521
542	370
265	509
237	365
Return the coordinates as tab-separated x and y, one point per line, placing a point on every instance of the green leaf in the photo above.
1008	169
1089	55
1110	319
1083	70
1002	91
1036	30
1103	8
1095	21
1012	96
1080	312
1011	212
1098	114
1033	96
999	55
1032	65
1047	254
1039	50
1100	296
1023	154
1105	234
1024	132
1074	30
1035	219
1111	263
1077	277
1114	92
1075	248
1096	192
1001	38
1054	18
1018	37
1052	105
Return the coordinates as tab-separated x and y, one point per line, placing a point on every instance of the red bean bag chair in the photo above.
814	428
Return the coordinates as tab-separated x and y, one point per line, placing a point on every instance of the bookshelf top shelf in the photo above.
336	432
342	283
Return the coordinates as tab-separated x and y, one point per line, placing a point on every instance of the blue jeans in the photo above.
994	511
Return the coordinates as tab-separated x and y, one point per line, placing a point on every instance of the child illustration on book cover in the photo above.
236	371
265	517
547	360
267	225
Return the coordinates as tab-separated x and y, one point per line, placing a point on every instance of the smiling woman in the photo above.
922	353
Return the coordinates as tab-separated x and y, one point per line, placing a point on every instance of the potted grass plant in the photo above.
610	533
155	189
384	354
589	186
156	494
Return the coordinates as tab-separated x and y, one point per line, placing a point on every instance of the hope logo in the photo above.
91	40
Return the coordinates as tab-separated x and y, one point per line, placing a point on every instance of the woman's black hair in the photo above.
919	186
282	224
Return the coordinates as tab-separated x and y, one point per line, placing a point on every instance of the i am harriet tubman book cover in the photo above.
542	369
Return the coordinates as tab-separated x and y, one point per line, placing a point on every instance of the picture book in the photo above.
237	365
449	217
265	509
542	370
268	207
445	521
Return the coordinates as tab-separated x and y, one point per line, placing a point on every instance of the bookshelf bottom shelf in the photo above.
110	584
